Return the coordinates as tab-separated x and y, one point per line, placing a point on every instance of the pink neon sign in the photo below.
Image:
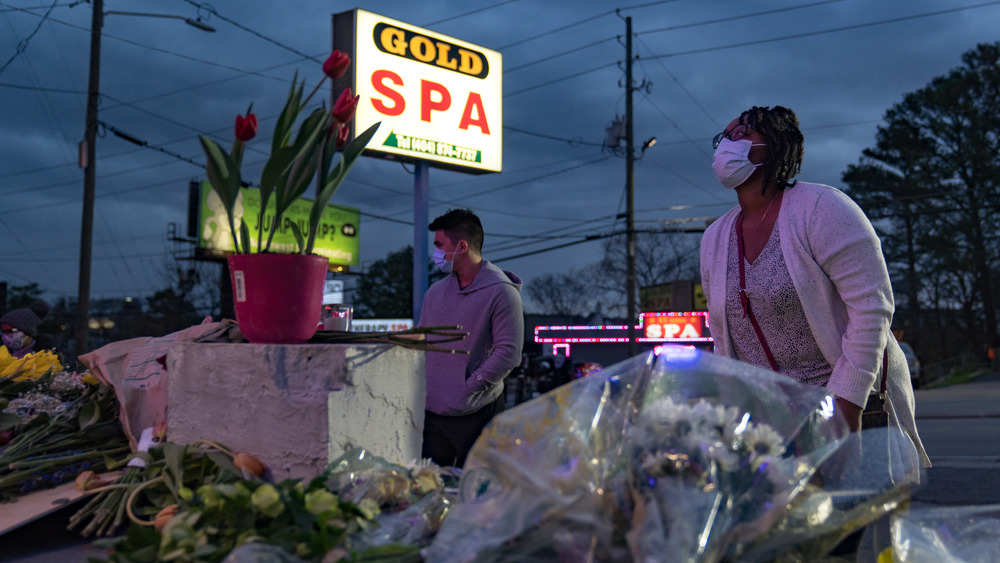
689	327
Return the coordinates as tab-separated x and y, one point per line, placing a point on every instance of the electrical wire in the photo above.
827	31
22	45
208	8
476	11
735	18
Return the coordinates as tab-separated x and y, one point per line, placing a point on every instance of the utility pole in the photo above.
89	160
630	284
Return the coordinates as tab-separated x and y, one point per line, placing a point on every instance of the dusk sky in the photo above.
838	64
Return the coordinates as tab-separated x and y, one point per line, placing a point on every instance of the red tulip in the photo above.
343	110
343	132
336	65
246	127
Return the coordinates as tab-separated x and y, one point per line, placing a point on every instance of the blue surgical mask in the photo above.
443	263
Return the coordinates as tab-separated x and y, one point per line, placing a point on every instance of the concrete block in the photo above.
298	407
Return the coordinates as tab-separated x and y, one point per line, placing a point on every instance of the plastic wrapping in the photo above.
410	502
966	534
676	455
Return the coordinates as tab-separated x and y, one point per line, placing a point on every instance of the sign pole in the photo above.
421	218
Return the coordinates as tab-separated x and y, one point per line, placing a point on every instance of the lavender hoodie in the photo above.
489	308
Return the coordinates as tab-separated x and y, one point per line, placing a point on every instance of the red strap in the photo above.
885	372
745	300
747	312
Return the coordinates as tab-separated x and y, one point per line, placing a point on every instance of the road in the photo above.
960	428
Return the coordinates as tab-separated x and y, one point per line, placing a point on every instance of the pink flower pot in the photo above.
277	297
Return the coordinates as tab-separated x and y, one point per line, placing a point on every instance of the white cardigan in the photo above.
835	261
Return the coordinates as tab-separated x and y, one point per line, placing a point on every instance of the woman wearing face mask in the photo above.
19	329
816	303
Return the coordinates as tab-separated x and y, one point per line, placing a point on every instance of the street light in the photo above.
88	159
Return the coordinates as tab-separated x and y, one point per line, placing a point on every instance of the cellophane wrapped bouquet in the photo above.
674	455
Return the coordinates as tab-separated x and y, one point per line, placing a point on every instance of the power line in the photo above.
142	143
457	16
583	21
572	142
41	89
556	80
826	31
734	18
211	10
22	45
557	55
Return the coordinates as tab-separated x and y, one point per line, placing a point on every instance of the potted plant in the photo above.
278	295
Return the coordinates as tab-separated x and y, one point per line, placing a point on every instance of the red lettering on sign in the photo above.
428	104
475	102
379	78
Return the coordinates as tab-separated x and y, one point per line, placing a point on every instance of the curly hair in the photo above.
780	129
460	224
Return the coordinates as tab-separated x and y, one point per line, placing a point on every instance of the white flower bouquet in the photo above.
670	456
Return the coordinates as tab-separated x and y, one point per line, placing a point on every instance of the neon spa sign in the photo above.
675	328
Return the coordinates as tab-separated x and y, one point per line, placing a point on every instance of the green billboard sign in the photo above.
337	237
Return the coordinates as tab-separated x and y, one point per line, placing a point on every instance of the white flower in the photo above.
762	439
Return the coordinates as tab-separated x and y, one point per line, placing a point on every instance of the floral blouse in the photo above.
779	313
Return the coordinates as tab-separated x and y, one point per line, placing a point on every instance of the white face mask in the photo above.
731	162
15	341
443	263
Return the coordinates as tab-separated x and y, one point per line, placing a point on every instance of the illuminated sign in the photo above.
439	99
337	237
381	325
691	326
581	333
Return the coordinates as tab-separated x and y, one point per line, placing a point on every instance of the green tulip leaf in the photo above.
174	455
300	241
293	105
352	151
90	414
224	176
245	238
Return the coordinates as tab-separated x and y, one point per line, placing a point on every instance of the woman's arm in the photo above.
845	245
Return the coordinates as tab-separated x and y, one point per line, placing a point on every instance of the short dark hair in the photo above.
785	144
460	224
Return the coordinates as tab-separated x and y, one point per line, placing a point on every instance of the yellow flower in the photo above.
31	366
89	379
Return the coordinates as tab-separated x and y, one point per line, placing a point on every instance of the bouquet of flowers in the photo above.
675	455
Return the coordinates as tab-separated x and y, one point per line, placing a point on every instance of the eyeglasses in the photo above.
10	331
734	134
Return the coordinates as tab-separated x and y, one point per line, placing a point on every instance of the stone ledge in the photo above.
298	407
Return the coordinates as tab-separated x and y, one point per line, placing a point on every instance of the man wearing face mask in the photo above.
795	277
465	391
19	328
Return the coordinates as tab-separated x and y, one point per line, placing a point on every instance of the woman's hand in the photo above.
852	413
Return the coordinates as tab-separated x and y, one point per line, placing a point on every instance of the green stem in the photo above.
63	460
309	97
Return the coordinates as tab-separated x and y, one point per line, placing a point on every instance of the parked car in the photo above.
912	362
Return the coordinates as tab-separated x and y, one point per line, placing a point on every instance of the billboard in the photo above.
338	237
439	98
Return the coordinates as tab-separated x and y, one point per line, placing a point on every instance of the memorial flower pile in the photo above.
702	476
669	456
